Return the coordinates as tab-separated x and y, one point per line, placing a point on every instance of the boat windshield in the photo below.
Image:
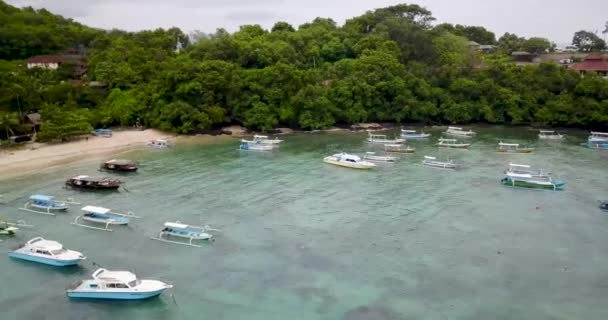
58	251
134	283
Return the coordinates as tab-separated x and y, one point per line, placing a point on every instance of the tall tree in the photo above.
588	41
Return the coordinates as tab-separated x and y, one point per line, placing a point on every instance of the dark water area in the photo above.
302	239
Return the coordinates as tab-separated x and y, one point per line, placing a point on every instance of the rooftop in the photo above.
46	59
593	63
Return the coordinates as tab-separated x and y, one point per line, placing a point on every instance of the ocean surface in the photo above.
301	239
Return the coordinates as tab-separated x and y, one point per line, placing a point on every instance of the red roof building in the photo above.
45	62
593	63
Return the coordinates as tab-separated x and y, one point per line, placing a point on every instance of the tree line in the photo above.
389	65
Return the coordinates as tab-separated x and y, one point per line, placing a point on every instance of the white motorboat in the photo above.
381	138
550	135
256	147
433	162
116	285
372	156
348	160
452	143
258	139
47	252
412	134
459	132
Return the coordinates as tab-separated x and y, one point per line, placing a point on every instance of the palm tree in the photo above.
9	121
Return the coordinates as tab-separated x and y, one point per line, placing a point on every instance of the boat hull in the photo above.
43	208
515	151
47	261
113	295
598	145
110	221
347	165
554	185
459	146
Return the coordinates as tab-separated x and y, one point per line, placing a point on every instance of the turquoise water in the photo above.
306	240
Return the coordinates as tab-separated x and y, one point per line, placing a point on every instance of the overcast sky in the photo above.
553	19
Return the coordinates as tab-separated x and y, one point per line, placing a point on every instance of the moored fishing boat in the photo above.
47	252
184	231
550	135
452	143
598	140
259	139
397	148
255	147
412	134
459	132
44	204
348	160
122	165
381	138
434	163
372	156
87	182
520	175
512	148
116	285
104	216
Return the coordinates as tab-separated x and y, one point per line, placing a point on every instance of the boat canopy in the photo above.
43	244
41	197
116	276
176	225
508	144
519	165
119	162
447	140
81	177
392	145
546	131
430	158
599	133
454	128
97	210
260	137
408	131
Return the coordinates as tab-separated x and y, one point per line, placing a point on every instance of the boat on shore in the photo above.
460	132
103	216
412	134
550	135
255	147
159	144
512	148
372	156
381	138
43	204
398	148
121	165
348	160
116	285
47	252
93	183
520	175
452	143
434	163
184	231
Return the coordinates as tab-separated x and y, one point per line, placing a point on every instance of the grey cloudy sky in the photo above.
553	19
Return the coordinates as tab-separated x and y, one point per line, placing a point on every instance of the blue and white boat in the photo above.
103	216
412	134
47	252
44	204
184	231
598	140
116	285
255	147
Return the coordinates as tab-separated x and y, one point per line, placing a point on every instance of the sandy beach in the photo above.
44	156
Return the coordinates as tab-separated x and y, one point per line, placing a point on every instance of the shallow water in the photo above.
305	240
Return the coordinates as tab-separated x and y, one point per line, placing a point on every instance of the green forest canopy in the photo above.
389	64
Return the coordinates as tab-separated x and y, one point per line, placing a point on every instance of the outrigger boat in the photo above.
550	135
116	285
180	230
47	252
412	134
103	216
121	165
44	204
159	144
434	163
10	228
255	147
381	138
452	143
520	175
459	132
348	160
512	148
598	140
397	148
95	183
258	139
371	156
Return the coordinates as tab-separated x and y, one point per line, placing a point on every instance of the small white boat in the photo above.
398	148
44	204
412	134
452	143
598	140
116	285
348	160
433	162
159	144
47	252
381	138
371	156
180	230
459	132
550	135
255	147
512	148
103	216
